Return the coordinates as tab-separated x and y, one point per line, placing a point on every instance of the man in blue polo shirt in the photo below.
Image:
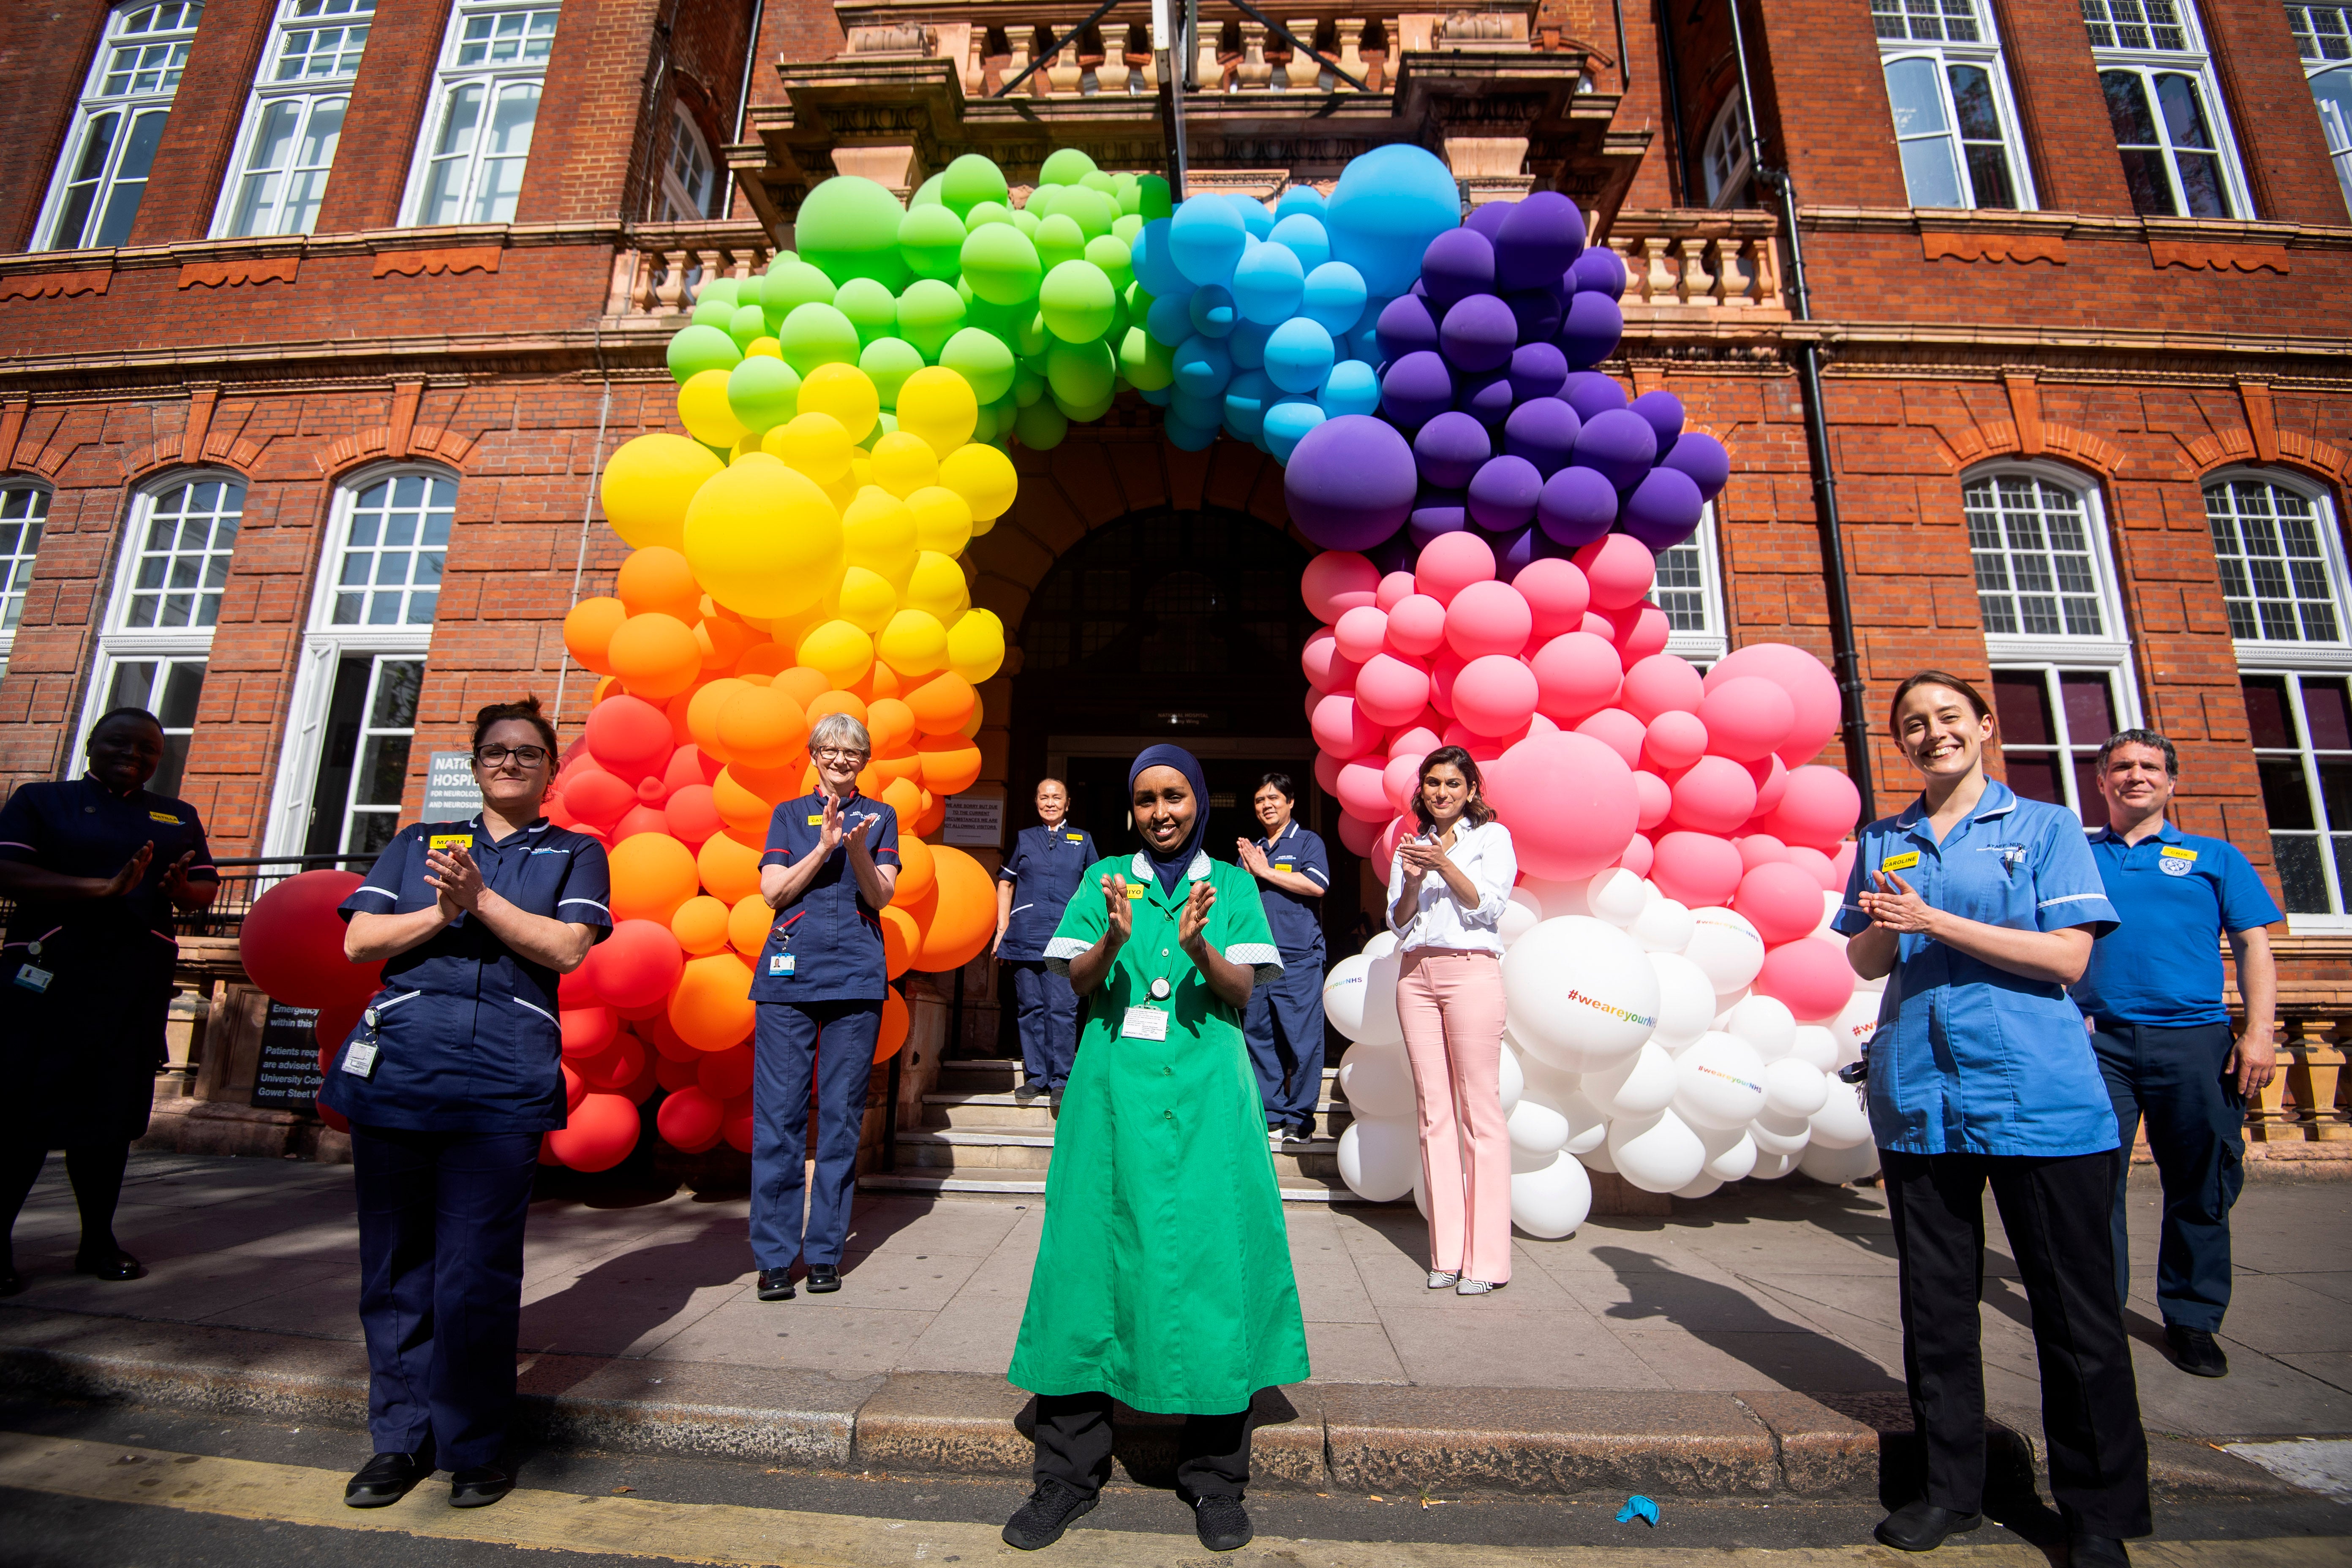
2152	996
1284	1023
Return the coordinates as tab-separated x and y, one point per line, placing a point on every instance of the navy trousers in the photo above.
832	1042
2195	1130
441	1222
1047	1012
1284	1027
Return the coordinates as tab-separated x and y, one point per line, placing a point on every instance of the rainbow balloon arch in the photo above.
1489	507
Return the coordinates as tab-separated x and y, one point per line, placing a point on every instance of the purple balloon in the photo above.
1543	431
1395	553
1601	271
1590	329
1450	449
1350	482
1416	389
1536	369
1502	494
1590	392
1485	398
1702	457
1489	217
1458	263
1663	508
1479	333
1539	238
1664	411
1619	445
1538	312
1577	506
1513	551
1436	514
1406	327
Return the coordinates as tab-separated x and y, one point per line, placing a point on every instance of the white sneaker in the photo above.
1441	1281
1479	1287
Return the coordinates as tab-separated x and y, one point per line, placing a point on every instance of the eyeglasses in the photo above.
524	756
837	754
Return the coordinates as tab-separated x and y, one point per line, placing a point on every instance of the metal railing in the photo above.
242	881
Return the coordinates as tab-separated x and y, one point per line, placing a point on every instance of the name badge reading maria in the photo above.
1143	1023
445	842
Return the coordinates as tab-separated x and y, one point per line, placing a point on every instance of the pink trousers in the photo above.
1451	1004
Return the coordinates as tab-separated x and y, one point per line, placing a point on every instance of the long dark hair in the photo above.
1478	813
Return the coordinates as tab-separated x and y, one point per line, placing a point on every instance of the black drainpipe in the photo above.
1817	444
1671	72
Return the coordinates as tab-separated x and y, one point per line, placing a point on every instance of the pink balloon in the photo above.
1576	674
1361	631
1401	777
1327	669
1697	869
1781	901
1444	666
1569	801
1385	847
1617	730
1327	773
1761	849
1361	792
1676	740
1809	683
1620	568
1482	748
1714	794
1360	837
1415	741
1657	800
1639	631
1540	725
1842	863
1599	626
1495	694
1416	625
1394	588
1660	684
1313	696
1336	582
1744	718
1342	728
1488	618
1451	562
1556	593
1818	867
1771	776
1639	856
1811	975
1818	808
1391	691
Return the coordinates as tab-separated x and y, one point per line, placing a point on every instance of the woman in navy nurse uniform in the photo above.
1980	909
450	1081
1033	887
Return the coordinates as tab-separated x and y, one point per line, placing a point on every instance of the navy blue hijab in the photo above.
1170	867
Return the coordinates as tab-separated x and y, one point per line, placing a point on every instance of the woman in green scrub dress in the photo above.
1163	1278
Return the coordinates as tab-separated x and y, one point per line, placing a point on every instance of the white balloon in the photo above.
1781	1134
1377	1079
1381	944
1832	905
1360	998
1856	1021
1580	994
1656	1153
1522	1162
1727	947
1559	900
1596	1158
1510	1082
1520	916
1773	1167
1618	896
1724	1003
1792	1088
1686	1001
1765	1024
1588	1124
1729	1155
1839	1166
1704	1187
1665	926
1552	1201
1380	1158
1718	1083
1642	1085
1874	986
1842	1122
1538	1126
1815	1046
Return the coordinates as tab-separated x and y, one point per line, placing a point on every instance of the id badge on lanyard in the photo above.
784	962
30	975
358	1059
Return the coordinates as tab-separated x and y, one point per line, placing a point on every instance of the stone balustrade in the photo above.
1692	263
660	270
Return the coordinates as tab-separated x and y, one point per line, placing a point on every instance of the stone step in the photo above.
999	1150
960	1110
1295	1189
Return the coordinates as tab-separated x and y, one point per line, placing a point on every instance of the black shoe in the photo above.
2194	1352
479	1487
1222	1522
824	1278
776	1284
1040	1521
2097	1551
386	1479
112	1264
1921	1526
11	1282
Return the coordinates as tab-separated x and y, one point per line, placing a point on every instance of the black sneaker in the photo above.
776	1284
386	1479
2194	1352
824	1278
1040	1521
1222	1522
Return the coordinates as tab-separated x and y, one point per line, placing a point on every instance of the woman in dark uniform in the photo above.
450	1080
1033	887
94	867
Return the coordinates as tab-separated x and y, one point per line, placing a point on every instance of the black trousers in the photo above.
2056	1212
2178	1079
1074	1447
94	1169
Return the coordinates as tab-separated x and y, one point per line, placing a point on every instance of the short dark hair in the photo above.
527	711
120	715
1057	781
2151	739
1935	678
1477	811
1280	781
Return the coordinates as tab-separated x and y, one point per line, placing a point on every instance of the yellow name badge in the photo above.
1136	890
1075	837
162	817
817	819
1902	862
450	841
2173	853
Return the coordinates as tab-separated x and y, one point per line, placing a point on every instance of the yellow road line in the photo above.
732	1534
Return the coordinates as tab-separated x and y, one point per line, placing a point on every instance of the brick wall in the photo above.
200	137
388	105
42	69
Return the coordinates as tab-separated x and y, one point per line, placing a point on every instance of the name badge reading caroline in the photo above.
360	1061
1144	1024
1902	862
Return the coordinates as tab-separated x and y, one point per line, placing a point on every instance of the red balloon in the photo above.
1327	670
1714	794
1639	632
1394	589
1417	627
1618	567
589	1031
1385	847
691	1120
602	1132
1338	581
1819	867
738	1127
1569	801
1361	633
1327	773
629	737
641	1087
616	1065
1781	900
1657	800
1451	562
1357	835
726	1074
1817	809
1495	694
336	1022
691	815
1696	869
1363	791
332	1116
640	819
688	767
1759	850
292	943
575	1088
597	798
676	1075
637	965
1771	776
1639	856
1811	975
1746	718
1390	691
1660	684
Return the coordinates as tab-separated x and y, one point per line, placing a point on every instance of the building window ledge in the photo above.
279	256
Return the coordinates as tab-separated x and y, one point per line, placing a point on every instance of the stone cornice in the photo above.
1928	224
300	247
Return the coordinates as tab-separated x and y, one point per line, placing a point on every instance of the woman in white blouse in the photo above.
1448	887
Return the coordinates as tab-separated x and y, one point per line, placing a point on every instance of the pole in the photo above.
1171	50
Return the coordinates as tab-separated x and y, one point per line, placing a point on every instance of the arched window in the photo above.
688	179
23	508
1723	157
1955	127
2164	101
94	193
2322	37
295	119
477	137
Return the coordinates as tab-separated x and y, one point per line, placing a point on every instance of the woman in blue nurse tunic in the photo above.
1980	909
450	1081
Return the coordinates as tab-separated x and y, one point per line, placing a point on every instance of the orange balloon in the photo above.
763	658
951	764
891	723
916	874
711	1008
935	815
676	708
748	925
728	867
655	579
761	726
836	702
965	916
774	785
942	704
906	765
878	682
588	631
805	684
692	813
654	656
604	688
702	711
701	925
653	874
897	1021
900	938
739	806
902	797
723	642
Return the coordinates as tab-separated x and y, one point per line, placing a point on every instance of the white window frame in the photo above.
2308	755
2123	695
325	645
2305	655
1705	645
2322	37
1725	168
130	105
309	97
16	566
494	78
1943	54
2196	62
678	197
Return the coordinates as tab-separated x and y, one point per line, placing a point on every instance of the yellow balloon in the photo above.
976	646
984	476
861	469
971	731
942	519
702	406
761	539
937	404
878	533
938	587
843	490
903	464
817	445
649	483
844	392
766	348
866	600
838	651
913	644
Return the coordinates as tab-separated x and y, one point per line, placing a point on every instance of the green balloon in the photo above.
791	284
885	424
1028	386
1004	321
1152	198
1118	322
1126	193
849	227
747	326
1095	211
1041	200
1086	412
1041	426
931	239
1059	239
1080	374
699	347
871	309
929	313
983	425
1001	265
888	362
1148	363
1128	226
763	393
1034	338
818	334
727	289
982	359
986	212
716	313
1138	301
1026	222
1065	166
1110	253
971	181
1106	184
1078	301
927	195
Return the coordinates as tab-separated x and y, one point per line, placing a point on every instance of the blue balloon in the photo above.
1334	295
1202	368
1254	216
1154	264
1303	235
1170	319
1194	408
1299	199
1187	437
1213	310
1364	342
1206	239
1248	345
1288	423
1353	387
1247	396
1158	397
1268	283
1299	355
1388	205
